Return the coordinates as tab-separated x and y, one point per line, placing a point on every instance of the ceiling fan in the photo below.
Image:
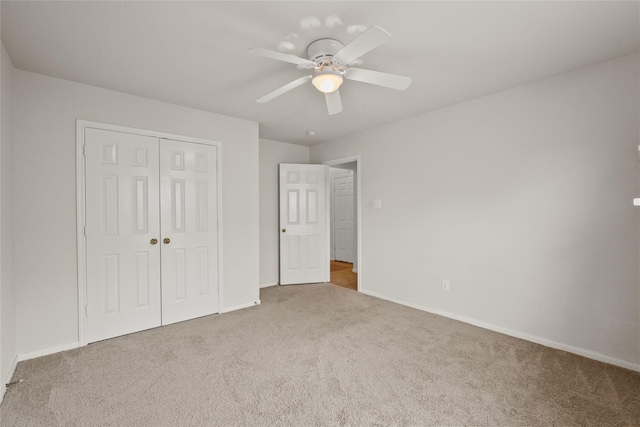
330	61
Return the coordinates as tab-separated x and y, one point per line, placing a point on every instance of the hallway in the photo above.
342	275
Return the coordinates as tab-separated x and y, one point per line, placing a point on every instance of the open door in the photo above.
304	228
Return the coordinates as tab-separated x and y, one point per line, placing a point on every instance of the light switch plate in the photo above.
377	203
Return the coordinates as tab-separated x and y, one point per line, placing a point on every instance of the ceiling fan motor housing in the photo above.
321	51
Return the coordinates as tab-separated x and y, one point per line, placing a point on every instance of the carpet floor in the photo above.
319	355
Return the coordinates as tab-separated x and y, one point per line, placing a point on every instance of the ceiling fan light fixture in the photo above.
328	81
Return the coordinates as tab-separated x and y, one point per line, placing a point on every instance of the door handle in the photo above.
284	230
153	241
166	240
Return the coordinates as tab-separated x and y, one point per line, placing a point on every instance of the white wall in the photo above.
7	280
45	239
523	200
272	153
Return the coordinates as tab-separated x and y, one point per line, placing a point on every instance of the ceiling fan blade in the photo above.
365	42
334	103
286	88
377	78
279	56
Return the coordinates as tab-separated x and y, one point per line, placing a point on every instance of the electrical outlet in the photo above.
445	285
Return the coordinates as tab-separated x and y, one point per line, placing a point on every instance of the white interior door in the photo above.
122	219
343	218
304	237
189	230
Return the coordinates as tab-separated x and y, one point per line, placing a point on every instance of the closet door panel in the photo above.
188	190
122	218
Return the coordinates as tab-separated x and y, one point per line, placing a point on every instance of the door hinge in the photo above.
86	311
84	230
84	150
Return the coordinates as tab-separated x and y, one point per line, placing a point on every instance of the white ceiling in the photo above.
193	53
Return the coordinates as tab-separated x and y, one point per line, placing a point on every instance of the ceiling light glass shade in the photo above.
327	82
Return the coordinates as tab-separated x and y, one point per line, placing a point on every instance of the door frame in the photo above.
358	177
81	125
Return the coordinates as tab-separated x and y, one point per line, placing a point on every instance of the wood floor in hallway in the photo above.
342	275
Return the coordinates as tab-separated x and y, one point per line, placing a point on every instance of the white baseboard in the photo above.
266	285
239	307
590	354
12	370
32	355
48	351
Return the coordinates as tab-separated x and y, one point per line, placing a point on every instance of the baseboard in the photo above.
12	370
239	307
267	285
527	337
32	355
47	351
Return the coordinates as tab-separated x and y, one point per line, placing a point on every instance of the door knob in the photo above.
166	240
153	241
284	230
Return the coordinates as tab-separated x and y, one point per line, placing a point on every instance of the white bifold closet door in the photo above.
151	232
188	192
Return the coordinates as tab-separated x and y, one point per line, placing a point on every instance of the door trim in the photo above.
358	175
81	125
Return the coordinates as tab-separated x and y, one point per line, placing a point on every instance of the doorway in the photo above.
345	222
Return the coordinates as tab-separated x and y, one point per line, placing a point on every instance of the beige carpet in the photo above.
319	355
